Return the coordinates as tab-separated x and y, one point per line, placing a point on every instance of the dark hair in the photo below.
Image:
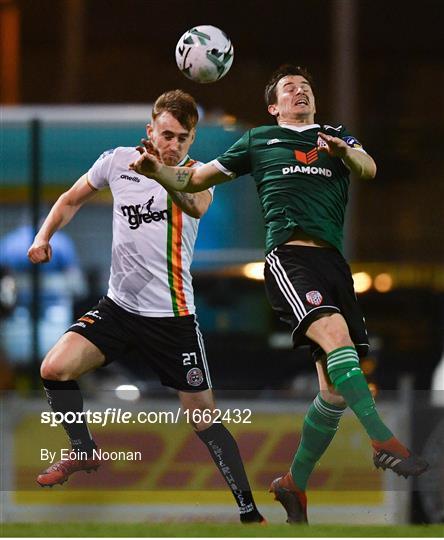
281	72
180	105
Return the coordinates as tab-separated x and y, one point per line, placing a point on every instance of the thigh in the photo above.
72	356
296	288
174	349
197	400
330	332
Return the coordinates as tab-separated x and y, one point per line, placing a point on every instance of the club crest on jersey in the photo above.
195	377
321	142
314	298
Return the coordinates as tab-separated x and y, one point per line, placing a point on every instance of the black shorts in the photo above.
303	282
172	346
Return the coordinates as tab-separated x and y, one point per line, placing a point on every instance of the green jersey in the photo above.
298	186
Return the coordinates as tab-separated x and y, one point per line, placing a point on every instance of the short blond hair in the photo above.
180	105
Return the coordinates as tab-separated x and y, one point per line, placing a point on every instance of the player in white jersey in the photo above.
149	308
153	239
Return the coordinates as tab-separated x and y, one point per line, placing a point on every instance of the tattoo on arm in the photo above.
182	176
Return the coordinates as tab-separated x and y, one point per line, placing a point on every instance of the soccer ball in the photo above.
204	54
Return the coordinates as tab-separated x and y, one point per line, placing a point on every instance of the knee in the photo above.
330	395
199	408
330	332
338	335
200	418
53	369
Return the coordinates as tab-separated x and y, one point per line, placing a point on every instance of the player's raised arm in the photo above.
61	213
178	178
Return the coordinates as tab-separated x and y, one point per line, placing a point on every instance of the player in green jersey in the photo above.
301	171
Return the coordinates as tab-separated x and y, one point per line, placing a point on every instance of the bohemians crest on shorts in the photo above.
314	298
195	377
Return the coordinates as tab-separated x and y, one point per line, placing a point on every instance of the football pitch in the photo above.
202	529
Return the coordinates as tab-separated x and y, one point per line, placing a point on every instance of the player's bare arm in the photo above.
359	163
193	204
178	178
61	213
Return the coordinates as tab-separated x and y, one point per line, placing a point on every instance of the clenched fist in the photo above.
40	252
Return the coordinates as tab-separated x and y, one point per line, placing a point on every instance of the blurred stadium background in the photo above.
78	77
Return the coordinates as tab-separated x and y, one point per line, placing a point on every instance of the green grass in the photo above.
214	530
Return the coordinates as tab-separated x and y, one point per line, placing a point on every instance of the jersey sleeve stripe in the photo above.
222	169
88	181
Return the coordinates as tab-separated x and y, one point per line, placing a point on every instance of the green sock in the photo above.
348	379
320	425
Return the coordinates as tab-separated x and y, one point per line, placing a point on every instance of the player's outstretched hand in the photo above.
148	162
40	252
334	146
147	145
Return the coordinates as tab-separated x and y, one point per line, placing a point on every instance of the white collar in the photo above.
299	128
183	161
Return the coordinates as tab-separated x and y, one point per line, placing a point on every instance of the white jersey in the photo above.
153	240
